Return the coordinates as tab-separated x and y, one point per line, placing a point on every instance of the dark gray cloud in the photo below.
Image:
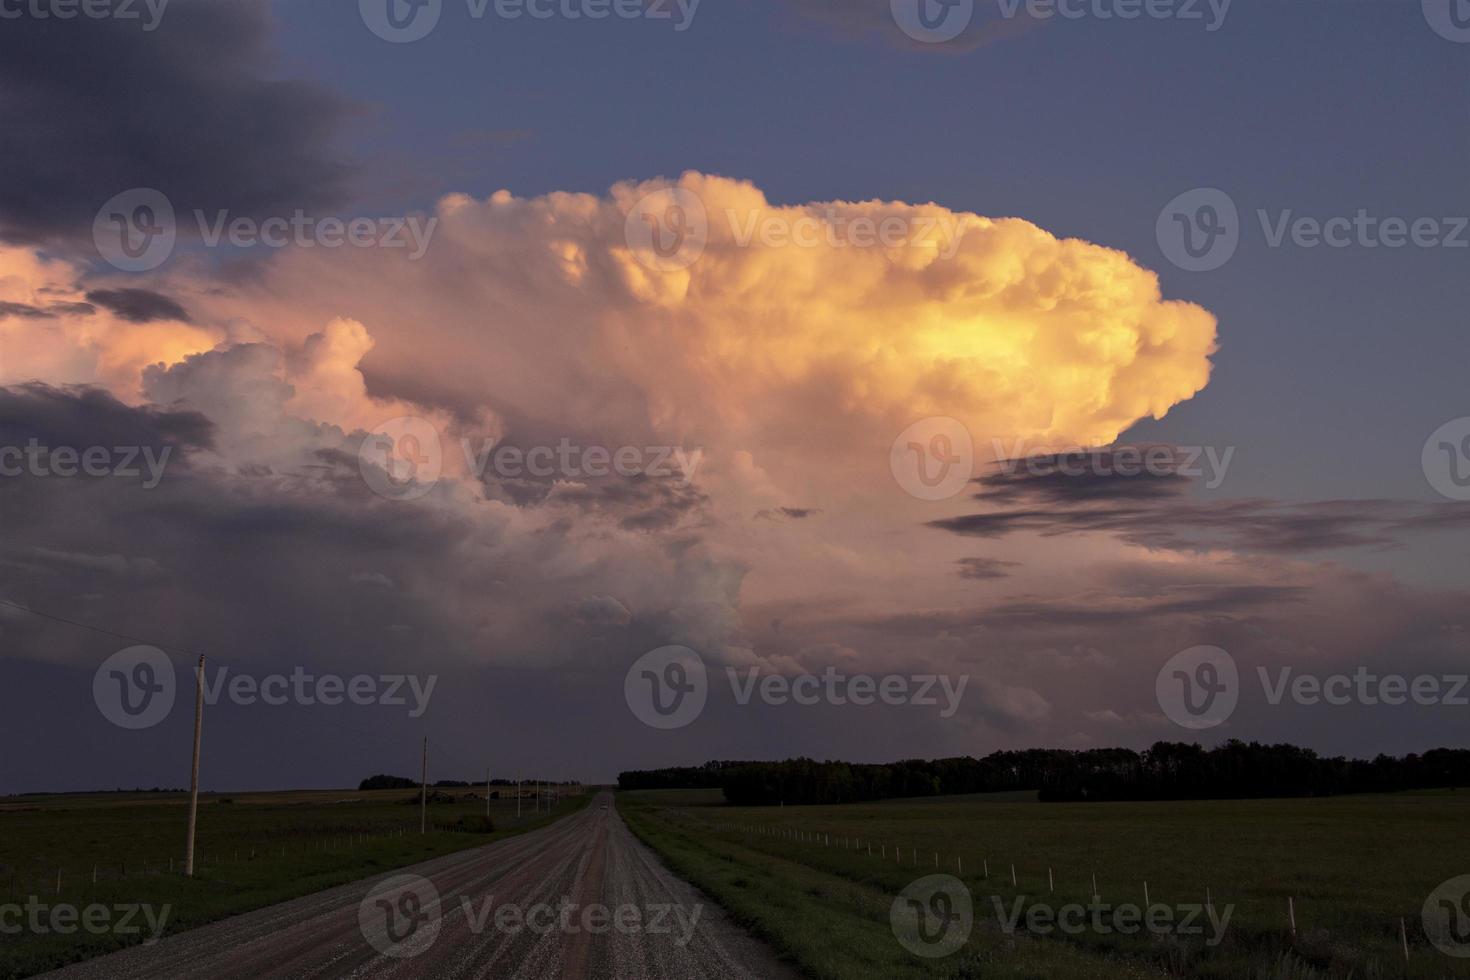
640	502
139	305
1090	610
26	311
94	107
787	513
1208	601
266	566
1157	507
79	417
602	610
1087	476
985	568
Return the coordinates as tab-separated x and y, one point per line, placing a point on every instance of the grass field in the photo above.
1352	868
254	850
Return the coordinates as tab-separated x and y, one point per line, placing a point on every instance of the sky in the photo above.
1088	379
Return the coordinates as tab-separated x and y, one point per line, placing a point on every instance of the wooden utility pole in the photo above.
194	777
424	792
487	794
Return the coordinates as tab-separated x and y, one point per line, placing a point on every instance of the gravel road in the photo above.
579	899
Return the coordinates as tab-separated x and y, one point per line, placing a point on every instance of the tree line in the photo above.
1165	771
383	781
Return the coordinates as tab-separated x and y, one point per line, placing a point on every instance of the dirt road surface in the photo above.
581	899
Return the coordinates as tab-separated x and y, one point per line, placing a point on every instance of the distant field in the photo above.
1351	866
254	849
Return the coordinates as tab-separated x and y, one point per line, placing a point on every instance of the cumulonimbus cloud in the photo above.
790	366
789	352
543	311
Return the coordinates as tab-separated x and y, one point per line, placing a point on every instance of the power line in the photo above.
96	629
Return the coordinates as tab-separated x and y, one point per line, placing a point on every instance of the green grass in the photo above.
1353	866
253	850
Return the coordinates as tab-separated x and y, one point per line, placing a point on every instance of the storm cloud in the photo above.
191	108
